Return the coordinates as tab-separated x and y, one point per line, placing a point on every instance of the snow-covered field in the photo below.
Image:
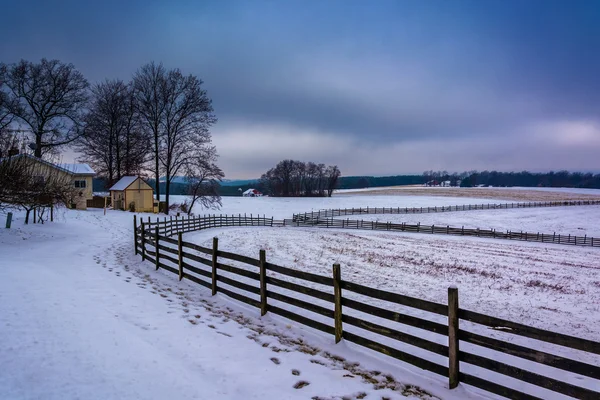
82	317
578	221
549	286
284	207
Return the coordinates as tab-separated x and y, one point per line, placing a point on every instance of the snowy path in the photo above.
81	317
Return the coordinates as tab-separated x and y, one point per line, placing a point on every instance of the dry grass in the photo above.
480	193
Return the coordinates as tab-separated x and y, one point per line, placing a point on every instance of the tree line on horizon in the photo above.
291	178
159	121
524	178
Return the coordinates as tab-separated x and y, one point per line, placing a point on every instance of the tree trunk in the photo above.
38	143
157	183
27	216
167	189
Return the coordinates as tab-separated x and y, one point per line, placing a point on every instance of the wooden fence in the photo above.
169	226
449	230
322	214
208	267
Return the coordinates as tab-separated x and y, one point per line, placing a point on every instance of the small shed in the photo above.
132	191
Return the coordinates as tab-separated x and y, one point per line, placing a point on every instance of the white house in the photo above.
252	193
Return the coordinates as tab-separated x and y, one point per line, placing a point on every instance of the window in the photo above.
80	184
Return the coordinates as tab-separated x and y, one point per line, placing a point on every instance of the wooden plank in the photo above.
300	303
169	258
301	320
425	305
239	285
307	276
135	230
199	259
170	269
143	235
530	332
167	239
150	259
197	248
453	343
263	282
197	270
529	377
237	257
430	326
239	271
541	357
180	255
300	289
397	354
397	335
157	247
239	297
167	249
215	250
337	301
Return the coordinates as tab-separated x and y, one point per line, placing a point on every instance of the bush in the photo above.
132	206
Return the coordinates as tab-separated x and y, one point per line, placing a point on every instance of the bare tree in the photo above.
188	117
296	178
112	141
204	177
49	97
333	174
149	90
6	117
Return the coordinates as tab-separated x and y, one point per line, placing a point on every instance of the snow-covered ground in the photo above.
284	207
82	318
578	220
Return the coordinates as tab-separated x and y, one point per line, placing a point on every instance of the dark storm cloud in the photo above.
387	72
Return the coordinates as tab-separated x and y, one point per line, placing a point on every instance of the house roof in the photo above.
73	169
78	169
124	183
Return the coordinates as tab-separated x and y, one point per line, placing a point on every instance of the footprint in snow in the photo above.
301	384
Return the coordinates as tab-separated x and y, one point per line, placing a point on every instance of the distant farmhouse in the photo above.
80	176
252	193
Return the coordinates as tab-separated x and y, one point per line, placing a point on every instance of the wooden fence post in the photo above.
135	234
52	213
453	350
180	254
156	244
337	293
263	282
214	265
143	242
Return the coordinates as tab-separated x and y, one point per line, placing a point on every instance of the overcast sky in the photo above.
376	87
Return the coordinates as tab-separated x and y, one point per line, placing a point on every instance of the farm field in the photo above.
577	221
503	193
